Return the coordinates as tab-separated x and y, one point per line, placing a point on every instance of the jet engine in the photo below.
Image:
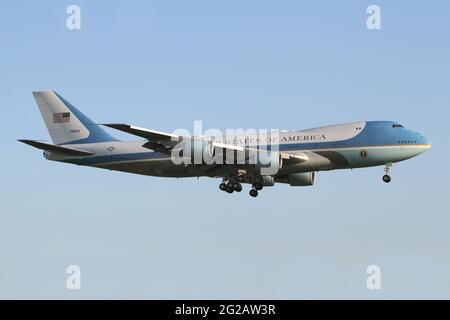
197	150
269	163
301	179
267	181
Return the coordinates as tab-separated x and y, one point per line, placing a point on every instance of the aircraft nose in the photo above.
424	140
420	138
423	143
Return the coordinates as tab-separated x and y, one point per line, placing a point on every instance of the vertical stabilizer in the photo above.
65	123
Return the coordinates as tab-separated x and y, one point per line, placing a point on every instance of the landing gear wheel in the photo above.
258	186
229	188
387	171
238	188
223	186
253	193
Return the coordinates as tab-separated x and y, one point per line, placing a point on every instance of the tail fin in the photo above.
65	123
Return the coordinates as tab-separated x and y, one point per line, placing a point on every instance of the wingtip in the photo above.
30	140
25	141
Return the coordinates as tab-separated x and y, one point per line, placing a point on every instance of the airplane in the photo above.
295	156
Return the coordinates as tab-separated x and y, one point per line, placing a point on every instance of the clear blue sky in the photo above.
231	64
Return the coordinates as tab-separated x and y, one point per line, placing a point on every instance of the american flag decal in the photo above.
61	117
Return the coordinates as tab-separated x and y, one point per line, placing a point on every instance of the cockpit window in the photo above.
396	125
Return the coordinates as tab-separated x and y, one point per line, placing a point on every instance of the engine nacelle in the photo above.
197	150
269	163
301	179
202	147
267	181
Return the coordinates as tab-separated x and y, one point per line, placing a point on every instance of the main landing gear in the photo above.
230	187
255	188
387	170
253	193
234	184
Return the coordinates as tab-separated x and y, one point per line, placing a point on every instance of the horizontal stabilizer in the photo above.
58	149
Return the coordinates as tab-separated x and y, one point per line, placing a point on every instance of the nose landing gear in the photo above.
387	170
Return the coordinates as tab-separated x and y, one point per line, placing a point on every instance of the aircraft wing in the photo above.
57	149
297	157
151	135
157	140
164	142
245	152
